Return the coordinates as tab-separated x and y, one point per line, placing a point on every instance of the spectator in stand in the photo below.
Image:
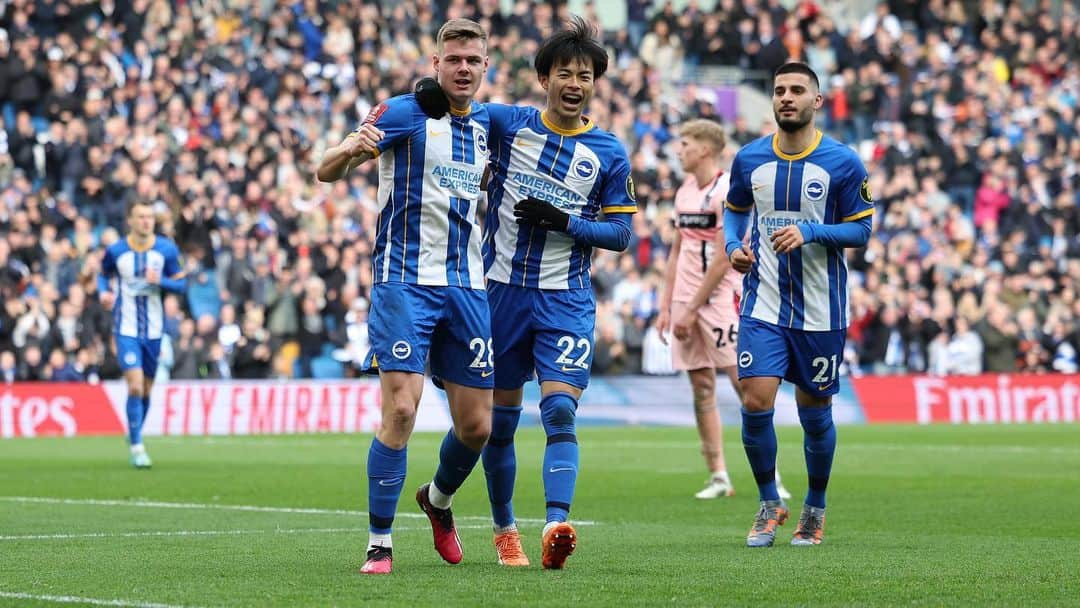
998	336
31	368
252	356
188	352
60	369
966	350
9	371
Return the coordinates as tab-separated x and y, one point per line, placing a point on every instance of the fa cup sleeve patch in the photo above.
375	114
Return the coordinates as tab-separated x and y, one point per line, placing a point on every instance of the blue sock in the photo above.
145	407
500	463
135	419
386	477
819	444
557	411
759	441
456	461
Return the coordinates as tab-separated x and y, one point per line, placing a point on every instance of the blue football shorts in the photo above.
448	327
549	331
807	359
135	353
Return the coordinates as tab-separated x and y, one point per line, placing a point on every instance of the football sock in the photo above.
145	407
819	444
134	408
759	441
557	412
380	540
456	461
500	463
386	476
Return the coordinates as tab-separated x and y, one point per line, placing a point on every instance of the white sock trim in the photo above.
437	498
380	540
549	525
507	528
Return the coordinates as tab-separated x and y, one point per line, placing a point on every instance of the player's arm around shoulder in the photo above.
501	117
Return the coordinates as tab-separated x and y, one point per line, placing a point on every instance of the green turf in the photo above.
974	515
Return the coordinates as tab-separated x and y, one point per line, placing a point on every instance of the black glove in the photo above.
535	212
432	99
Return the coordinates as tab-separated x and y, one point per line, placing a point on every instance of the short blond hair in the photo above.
460	29
708	131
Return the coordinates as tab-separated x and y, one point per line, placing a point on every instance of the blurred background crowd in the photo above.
217	111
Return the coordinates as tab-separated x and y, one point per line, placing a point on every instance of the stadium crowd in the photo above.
965	113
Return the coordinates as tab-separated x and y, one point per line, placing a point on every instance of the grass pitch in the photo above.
973	515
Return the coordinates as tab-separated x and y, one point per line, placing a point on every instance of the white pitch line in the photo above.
250	508
71	599
158	533
256	441
997	449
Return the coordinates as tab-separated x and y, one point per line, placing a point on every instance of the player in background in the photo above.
701	292
559	186
142	266
809	199
428	299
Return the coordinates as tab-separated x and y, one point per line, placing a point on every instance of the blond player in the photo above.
701	292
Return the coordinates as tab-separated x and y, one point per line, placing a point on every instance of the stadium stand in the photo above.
965	113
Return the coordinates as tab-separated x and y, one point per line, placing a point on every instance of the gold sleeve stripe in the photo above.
857	216
622	209
735	207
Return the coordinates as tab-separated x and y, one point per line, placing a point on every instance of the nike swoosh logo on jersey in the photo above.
433	133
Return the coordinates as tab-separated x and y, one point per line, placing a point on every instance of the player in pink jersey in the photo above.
701	292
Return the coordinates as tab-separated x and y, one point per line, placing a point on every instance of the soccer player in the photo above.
143	265
428	301
701	291
810	199
559	186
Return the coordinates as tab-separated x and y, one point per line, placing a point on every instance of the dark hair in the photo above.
577	40
797	67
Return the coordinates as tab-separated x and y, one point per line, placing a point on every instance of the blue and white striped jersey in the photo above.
429	184
582	172
139	311
825	184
